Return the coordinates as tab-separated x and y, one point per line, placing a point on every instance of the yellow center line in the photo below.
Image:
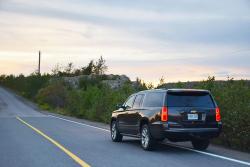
73	156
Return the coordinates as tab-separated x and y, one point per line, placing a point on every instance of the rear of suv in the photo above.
175	114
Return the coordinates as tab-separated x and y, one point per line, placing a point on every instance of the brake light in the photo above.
164	114
217	114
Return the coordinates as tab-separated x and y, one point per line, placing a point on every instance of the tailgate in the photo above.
191	109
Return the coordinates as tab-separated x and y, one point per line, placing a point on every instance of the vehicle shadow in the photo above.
160	147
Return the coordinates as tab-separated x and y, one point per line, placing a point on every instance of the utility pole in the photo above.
39	63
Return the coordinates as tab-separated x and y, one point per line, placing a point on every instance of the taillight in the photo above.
217	114
164	114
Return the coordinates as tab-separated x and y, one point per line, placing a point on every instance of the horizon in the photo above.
177	40
155	84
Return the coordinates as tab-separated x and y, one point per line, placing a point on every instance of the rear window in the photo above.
189	99
154	99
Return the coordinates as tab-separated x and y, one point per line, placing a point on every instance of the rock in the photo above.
114	81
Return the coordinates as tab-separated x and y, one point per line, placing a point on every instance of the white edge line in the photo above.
182	147
210	154
79	123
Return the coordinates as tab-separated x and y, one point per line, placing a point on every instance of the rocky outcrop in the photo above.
114	81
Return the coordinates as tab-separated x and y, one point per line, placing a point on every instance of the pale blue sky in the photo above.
179	39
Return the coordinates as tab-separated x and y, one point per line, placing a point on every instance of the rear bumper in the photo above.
191	130
162	130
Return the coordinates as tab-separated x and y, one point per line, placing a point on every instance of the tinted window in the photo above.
189	100
138	101
129	102
154	99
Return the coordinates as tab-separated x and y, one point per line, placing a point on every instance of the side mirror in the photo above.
119	106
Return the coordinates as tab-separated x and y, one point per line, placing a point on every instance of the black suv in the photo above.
175	114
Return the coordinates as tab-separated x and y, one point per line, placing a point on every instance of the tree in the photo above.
161	81
69	68
56	70
100	66
89	69
140	84
150	85
209	83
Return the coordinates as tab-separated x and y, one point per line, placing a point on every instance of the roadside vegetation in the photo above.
95	100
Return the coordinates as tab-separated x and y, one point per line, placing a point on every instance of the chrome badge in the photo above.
193	111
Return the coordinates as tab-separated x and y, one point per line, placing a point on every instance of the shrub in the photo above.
25	86
55	95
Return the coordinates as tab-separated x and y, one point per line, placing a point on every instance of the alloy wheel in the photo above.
113	131
145	138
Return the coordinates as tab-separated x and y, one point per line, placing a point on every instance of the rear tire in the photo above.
115	134
147	141
200	144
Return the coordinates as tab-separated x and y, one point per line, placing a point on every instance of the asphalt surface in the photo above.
22	146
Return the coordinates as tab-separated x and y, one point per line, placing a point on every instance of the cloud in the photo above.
203	37
166	21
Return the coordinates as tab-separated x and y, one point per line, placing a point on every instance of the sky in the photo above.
181	40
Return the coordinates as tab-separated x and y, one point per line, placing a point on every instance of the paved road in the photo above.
29	138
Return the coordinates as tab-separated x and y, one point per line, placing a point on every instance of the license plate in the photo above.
192	116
